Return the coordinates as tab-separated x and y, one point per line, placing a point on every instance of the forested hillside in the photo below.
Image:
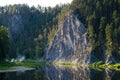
4	42
28	28
102	19
32	28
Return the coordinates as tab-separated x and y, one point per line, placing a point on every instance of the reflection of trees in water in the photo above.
108	74
38	75
112	75
51	72
2	76
66	73
96	75
104	75
27	75
75	73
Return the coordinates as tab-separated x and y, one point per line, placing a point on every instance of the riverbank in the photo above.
97	65
7	65
31	64
16	68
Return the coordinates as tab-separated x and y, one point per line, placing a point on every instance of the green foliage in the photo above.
60	17
29	63
92	36
108	32
102	21
64	12
4	42
38	51
5	65
101	35
33	63
52	33
33	28
39	25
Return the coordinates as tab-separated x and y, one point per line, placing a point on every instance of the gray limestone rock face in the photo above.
15	23
15	26
70	43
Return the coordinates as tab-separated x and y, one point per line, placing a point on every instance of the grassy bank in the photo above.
97	65
6	65
33	63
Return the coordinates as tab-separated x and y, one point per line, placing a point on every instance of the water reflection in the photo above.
17	75
51	72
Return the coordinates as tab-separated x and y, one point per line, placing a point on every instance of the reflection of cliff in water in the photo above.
75	73
51	72
65	73
27	75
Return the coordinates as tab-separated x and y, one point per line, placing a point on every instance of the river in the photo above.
51	72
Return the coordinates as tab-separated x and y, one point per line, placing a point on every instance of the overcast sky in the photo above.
44	3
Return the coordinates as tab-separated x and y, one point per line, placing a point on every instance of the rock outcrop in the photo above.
70	43
15	23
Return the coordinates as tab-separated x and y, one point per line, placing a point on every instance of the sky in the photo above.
44	3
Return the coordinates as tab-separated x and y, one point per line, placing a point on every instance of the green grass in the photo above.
5	65
32	63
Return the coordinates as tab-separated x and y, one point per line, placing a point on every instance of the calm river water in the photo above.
51	72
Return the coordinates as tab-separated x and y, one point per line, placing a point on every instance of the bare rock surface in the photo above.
70	43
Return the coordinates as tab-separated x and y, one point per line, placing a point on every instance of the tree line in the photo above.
102	19
32	32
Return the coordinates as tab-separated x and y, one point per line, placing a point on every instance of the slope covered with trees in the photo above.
102	19
29	28
37	26
4	42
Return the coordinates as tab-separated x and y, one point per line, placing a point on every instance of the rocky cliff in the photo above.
15	23
70	43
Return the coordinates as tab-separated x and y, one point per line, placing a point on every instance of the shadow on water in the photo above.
51	72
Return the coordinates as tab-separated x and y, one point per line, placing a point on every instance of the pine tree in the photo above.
109	44
101	31
4	42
